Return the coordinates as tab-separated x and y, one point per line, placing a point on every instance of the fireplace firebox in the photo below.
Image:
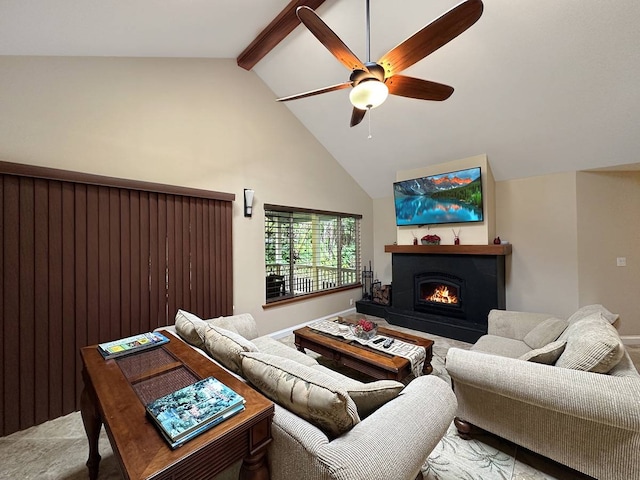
439	293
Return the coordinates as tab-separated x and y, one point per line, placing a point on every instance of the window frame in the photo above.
315	292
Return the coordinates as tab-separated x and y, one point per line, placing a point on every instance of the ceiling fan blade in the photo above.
417	88
311	93
328	38
357	116
433	36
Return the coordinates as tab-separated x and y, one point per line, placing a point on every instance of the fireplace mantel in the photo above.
450	249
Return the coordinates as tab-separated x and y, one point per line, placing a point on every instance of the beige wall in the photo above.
608	228
538	216
192	122
384	233
209	124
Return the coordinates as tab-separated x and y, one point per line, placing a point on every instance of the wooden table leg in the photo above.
92	425
255	467
428	368
298	345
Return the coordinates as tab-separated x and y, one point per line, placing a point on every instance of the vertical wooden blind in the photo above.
83	261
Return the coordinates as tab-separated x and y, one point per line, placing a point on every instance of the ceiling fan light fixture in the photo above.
368	94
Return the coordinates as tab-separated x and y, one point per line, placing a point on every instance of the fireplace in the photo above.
446	290
439	293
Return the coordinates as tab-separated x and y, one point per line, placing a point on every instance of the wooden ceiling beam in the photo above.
274	33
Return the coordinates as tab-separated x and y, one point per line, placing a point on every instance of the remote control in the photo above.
378	340
388	343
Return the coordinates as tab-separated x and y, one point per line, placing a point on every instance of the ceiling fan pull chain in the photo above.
369	116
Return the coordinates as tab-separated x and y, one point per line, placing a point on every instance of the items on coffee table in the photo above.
189	411
132	344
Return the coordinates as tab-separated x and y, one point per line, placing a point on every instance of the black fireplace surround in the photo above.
476	281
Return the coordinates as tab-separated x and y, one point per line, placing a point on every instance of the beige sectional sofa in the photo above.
326	425
564	388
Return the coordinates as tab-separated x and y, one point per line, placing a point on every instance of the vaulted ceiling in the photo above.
541	86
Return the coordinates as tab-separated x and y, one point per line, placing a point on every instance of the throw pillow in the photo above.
588	310
593	345
368	397
190	327
310	394
548	354
545	332
226	346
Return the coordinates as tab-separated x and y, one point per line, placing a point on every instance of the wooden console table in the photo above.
116	391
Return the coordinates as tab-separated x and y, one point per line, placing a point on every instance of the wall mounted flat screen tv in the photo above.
454	197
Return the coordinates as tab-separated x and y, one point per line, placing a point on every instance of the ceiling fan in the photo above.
373	81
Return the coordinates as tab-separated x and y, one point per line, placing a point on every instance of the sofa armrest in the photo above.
395	440
596	397
513	324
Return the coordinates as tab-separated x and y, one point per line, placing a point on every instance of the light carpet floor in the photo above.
58	449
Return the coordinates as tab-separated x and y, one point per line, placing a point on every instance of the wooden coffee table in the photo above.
370	361
115	394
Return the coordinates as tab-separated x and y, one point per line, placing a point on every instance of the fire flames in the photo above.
441	295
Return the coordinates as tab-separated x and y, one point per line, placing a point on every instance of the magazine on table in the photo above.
132	344
189	411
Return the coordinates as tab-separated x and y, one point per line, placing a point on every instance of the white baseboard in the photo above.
630	339
288	331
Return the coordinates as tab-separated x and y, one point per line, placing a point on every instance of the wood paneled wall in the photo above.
88	259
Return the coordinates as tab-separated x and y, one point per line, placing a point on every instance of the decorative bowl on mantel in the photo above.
430	240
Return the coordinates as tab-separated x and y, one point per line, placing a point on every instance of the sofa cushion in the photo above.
310	394
368	397
589	310
226	346
547	354
513	324
266	344
243	323
545	332
191	327
505	347
593	345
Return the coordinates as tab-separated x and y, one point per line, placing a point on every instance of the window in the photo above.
309	251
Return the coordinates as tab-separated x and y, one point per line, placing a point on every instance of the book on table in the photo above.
132	344
189	411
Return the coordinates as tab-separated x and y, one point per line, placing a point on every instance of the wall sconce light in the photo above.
248	201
